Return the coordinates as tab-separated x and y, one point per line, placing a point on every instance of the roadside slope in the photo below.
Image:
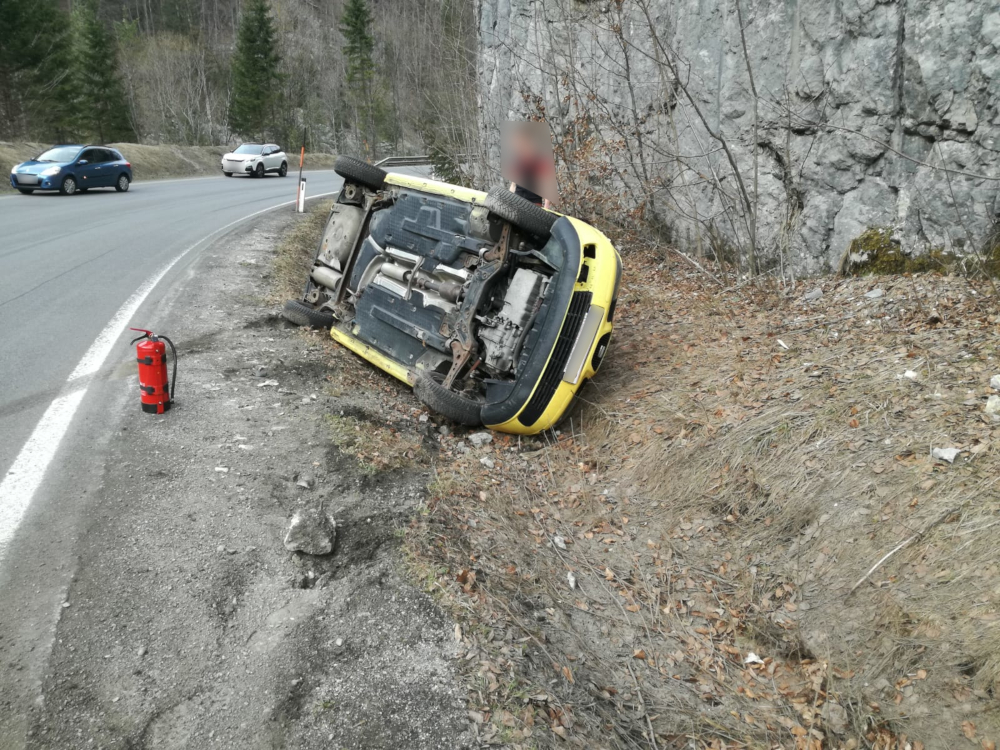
740	536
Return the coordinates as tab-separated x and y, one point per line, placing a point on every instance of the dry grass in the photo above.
158	162
741	463
294	255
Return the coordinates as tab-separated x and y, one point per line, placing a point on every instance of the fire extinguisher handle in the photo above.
172	389
145	335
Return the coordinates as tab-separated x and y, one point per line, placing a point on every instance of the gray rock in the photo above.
921	75
836	717
311	531
995	382
306	481
812	295
260	371
479	439
875	294
488	462
945	454
992	405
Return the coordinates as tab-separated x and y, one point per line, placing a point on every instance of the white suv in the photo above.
255	160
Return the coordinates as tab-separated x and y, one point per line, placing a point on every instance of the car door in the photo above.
107	171
88	168
273	157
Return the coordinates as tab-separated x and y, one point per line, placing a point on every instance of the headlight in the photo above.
51	171
13	169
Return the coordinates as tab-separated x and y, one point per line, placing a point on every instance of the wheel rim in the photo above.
69	186
123	182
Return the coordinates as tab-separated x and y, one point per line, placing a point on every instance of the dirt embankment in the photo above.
155	162
771	522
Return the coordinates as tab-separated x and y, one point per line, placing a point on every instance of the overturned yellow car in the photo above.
495	310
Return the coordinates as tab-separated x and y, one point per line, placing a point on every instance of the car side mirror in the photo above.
81	162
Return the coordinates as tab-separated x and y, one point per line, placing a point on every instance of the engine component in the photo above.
503	334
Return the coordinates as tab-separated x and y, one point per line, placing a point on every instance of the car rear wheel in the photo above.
123	182
68	186
284	169
259	171
520	212
25	191
430	391
301	314
361	172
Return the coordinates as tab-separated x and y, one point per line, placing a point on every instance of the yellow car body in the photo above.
584	329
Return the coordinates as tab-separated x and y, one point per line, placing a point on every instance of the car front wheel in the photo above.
259	171
68	186
122	185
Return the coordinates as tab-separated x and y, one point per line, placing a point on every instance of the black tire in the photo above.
68	186
430	391
284	169
521	213
122	183
25	191
360	172
259	171
301	314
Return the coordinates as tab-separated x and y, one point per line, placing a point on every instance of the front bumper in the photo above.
583	337
237	166
34	182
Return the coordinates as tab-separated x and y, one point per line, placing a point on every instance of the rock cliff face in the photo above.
869	113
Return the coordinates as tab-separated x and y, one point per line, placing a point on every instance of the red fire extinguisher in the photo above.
151	354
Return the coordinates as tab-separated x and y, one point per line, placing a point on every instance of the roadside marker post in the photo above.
300	200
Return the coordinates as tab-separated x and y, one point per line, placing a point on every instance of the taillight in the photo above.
128	164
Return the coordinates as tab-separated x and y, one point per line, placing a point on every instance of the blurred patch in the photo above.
527	160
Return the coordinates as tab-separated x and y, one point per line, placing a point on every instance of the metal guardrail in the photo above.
404	161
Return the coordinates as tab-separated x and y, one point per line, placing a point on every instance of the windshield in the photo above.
249	148
60	154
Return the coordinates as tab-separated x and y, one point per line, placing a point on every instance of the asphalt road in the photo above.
104	510
67	264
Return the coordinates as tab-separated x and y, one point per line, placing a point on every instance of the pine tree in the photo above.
359	46
255	72
36	90
103	108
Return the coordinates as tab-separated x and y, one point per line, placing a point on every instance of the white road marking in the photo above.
28	470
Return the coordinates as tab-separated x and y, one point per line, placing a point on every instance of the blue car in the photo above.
73	169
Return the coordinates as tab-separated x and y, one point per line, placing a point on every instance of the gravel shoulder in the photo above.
187	622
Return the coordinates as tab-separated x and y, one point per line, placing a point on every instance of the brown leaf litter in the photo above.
674	567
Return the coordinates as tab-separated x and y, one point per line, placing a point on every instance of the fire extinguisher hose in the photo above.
173	378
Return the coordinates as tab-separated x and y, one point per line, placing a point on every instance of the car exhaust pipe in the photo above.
326	277
447	289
